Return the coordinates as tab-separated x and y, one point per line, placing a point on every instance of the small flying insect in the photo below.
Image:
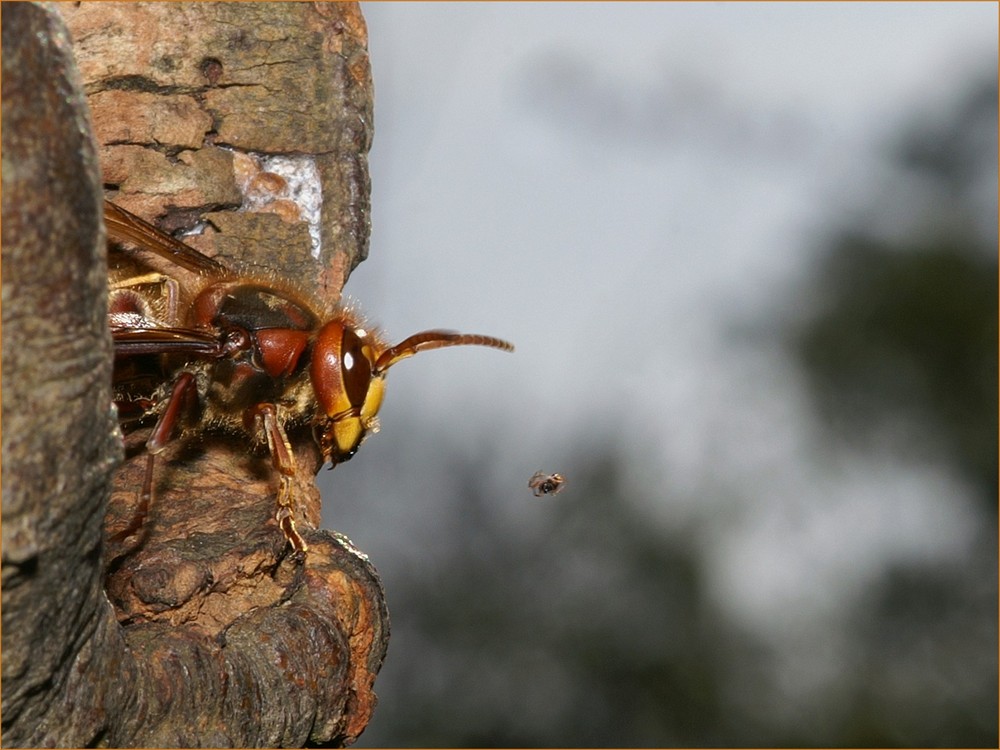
546	484
244	354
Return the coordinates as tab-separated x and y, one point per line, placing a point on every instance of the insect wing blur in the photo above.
546	484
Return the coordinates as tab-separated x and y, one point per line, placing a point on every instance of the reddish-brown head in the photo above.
347	369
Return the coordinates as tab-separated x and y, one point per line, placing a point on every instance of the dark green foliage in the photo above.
906	341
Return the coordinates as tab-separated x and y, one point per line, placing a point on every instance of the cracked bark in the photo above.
208	634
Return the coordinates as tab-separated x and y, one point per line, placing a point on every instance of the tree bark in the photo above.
208	633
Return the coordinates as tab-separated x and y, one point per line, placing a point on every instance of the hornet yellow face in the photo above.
347	370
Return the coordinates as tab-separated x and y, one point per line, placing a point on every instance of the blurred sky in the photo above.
630	193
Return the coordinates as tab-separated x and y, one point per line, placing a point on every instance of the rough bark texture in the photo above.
209	634
59	445
185	96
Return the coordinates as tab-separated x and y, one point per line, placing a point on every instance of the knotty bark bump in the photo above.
209	633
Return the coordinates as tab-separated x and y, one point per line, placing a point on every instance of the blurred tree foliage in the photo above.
901	356
902	348
595	628
907	349
550	630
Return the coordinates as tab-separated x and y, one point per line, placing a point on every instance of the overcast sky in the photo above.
625	191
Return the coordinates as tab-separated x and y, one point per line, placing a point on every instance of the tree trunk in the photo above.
208	633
